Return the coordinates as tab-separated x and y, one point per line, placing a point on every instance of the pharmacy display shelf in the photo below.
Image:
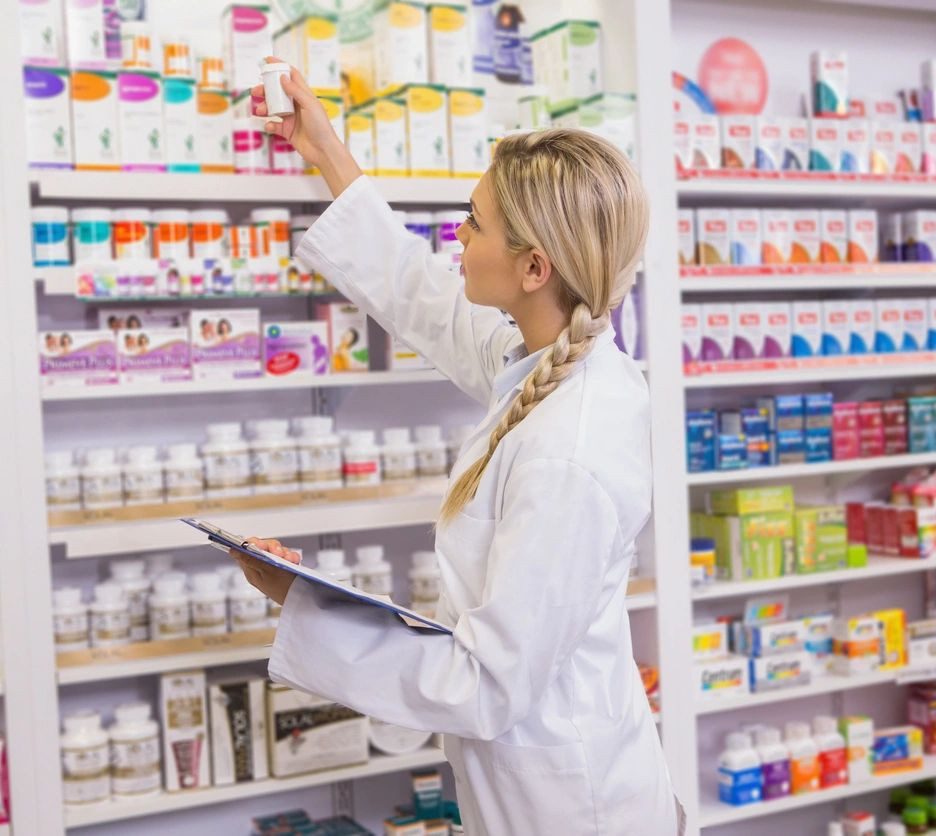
264	383
716	704
713	813
878	567
215	189
113	811
784	371
779	283
418	506
805	471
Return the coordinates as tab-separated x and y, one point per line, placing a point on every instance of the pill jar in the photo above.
171	234
431	451
210	233
50	236
158	565
130	575
211	73
142	476
185	476
135	755
93	234
372	573
274	460
209	605
227	462
63	485
132	233
278	101
456	440
251	149
247	241
177	59
85	759
446	224
331	563
361	459
320	465
110	616
398	455
419	223
702	555
101	482
136	45
425	579
69	620
274	224
299	225
248	605
169	608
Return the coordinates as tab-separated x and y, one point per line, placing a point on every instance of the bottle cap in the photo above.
206	582
132	712
396	436
737	740
108	593
370	555
330	560
313	425
170	585
767	737
66	596
126	570
82	721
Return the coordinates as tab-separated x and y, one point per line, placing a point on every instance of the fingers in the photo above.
292	557
272	59
295	86
257	91
261	109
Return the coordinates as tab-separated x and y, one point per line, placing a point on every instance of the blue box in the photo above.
700	441
790	412
754	427
818	445
819	410
732	452
791	447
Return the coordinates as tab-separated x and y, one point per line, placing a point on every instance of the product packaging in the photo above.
748	331
784	670
768	132
806	245
807	329
829	76
84	25
46	92
290	347
893	624
77	358
821	539
777	236
449	44
856	146
897	749
858	732
862	236
738	141
687	240
718	328
347	336
226	343
142	127
918	231
153	354
884	147
725	676
776	638
95	131
857	645
700	441
568	61
819	643
795	144
745	234
248	40
909	148
705	141
184	717
359	137
238	731
215	129
467	131
713	229
426	129
889	329
778	329
691	333
836	327
709	641
311	45
833	225
825	145
915	315
928	164
743	501
182	125
403	358
42	34
391	157
862	326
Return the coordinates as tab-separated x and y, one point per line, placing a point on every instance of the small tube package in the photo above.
238	731
184	716
713	233
717	332
745	233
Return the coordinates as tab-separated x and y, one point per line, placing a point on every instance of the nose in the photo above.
462	233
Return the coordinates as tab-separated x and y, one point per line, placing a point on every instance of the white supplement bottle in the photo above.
101	482
372	573
361	460
171	234
69	620
85	760
136	763
130	575
274	224
169	608
248	606
227	462
398	454
331	563
456	440
279	104
63	485
93	237
833	755
319	452
133	233
739	771
50	236
143	476
274	460
185	473
209	605
110	616
431	452
804	758
395	740
775	763
210	233
425	583
158	565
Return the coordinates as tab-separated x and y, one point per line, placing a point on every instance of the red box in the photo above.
891	531
855	523
846	443
874	527
924	496
871	429
908	532
921	711
895	427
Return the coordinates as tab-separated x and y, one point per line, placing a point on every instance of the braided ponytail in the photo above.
577	198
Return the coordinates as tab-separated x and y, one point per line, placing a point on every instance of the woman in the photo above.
546	723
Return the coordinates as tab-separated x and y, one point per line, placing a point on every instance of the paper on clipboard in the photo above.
225	540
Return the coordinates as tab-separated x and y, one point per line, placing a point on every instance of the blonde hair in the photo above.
576	198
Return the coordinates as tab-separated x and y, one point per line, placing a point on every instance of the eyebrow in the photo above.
474	208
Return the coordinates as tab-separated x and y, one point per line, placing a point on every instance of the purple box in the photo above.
295	347
225	343
154	354
77	358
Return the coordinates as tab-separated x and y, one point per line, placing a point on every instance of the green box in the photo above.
771	499
749	547
821	539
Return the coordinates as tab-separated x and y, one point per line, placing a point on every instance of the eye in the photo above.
470	220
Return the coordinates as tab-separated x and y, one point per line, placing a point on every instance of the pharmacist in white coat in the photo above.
546	723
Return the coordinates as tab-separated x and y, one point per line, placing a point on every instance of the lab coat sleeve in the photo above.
359	246
558	531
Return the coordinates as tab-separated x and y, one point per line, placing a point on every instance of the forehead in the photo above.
482	198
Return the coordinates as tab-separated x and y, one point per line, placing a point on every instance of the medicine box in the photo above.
154	354
685	219
884	146
691	318
921	643
888	318
290	347
915	324
226	344
858	732
311	45
468	132
426	130
871	428
931	324
46	93
862	336
142	127
892	238
897	749
829	76
705	138
745	234
777	236
776	638
42	34
237	710
404	358
825	145
818	642
755	546
738	141
700	441
833	226
749	331
785	670
717	332
77	358
893	624
180	111
821	539
725	676
806	237
400	43
731	451
921	712
744	501
567	61
895	427
778	329
836	327
807	329
359	137
215	128
682	133
450	50
856	146
768	132
928	163
95	132
857	645
391	154
928	89
862	236
308	733
713	232
845	430
347	336
248	40
709	641
184	717
84	25
919	235
909	148
795	144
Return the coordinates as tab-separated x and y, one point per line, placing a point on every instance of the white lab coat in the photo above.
546	724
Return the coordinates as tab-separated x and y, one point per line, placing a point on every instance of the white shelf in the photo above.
804	471
824	685
645	601
885	368
713	812
112	811
882	281
243	188
878	567
265	383
779	190
420	507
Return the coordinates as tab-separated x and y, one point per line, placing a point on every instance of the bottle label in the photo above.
274	467
804	774
833	768
432	462
776	779
110	628
62	490
378	583
208	614
138	604
135	766
71	631
399	465
184	482
170	622
102	491
425	589
227	471
319	464
143	486
741	786
85	774
248	614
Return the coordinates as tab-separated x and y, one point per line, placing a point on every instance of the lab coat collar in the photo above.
518	364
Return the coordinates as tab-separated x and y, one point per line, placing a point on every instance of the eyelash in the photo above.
470	220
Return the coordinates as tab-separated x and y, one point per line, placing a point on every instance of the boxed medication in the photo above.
567	60
691	317
682	135
856	146
709	641
48	123
784	670
845	432
290	347
427	130
84	26
77	358
743	501
728	676
238	731
888	318
895	427
858	732
807	329
857	645
780	637
215	129
403	358
892	240
449	45
909	148
862	325
893	624
884	147
717	332
825	145
311	45
768	133
745	233
347	336
687	240
700	441
754	546
468	132
731	451
795	144
391	157
833	231
778	329
928	163
931	324
713	232
749	331
806	245
777	236
400	39
918	231
154	354
928	90
836	327
308	733
897	749
184	717
180	111
95	133
862	236
359	137
140	114
248	40
821	539
921	712
42	34
818	642
915	324
871	428
829	76
738	141
705	140
226	344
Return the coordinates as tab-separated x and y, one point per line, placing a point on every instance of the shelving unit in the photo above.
819	190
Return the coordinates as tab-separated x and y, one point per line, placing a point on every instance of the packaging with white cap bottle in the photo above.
274	460
209	605
398	454
63	485
169	608
361	459
372	573
320	462
184	473
227	462
158	565
85	759
131	576
69	620
143	476
110	616
101	480
431	451
248	605
331	563
135	756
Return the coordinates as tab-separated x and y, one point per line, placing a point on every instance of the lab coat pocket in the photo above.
464	544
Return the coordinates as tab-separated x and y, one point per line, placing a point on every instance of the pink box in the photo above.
845	435
71	358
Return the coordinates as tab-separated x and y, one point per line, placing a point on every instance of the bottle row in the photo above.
263	457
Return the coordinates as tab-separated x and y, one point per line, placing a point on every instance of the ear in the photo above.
536	270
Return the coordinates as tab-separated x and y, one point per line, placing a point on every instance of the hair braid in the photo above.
572	345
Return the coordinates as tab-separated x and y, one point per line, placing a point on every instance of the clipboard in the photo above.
225	540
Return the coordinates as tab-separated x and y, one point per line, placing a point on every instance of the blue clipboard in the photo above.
225	540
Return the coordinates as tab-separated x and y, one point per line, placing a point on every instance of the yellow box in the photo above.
311	45
359	137
427	138
400	42
893	642
391	158
468	129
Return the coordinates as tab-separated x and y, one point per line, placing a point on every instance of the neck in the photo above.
540	325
